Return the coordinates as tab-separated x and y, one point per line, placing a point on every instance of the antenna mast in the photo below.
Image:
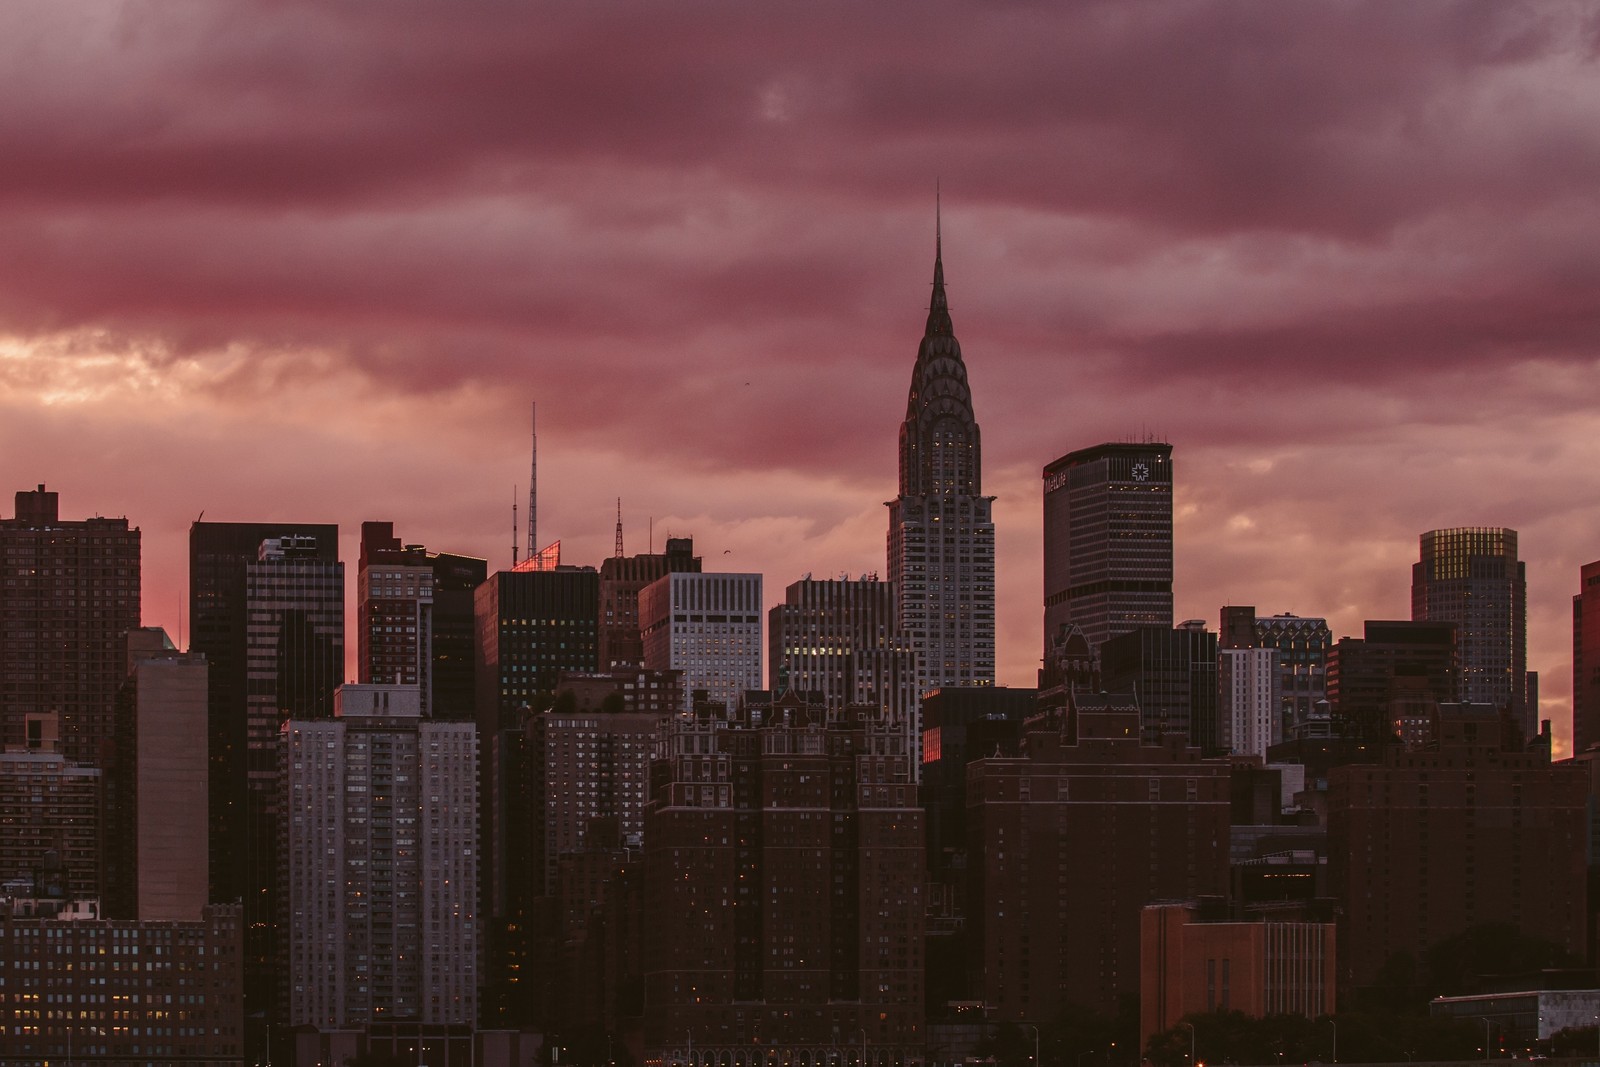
533	483
619	528
513	527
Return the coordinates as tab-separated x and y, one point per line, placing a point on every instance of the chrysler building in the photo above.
941	535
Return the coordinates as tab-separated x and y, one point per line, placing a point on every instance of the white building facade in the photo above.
709	627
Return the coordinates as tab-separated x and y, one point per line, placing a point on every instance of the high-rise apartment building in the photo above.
416	620
1471	576
783	878
842	639
219	555
1302	669
157	850
380	870
1455	834
621	580
1249	712
71	592
1050	927
708	626
1108	540
1586	659
941	527
50	804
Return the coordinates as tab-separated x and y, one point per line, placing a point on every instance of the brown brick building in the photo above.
1070	840
783	889
1454	834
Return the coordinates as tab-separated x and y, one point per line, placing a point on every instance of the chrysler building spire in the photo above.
941	535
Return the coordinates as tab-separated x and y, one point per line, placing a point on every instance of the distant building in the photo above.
158	783
941	526
1471	576
1366	674
416	621
1301	683
1249	697
1070	840
1108	540
1196	959
380	866
71	592
1586	659
88	990
621	580
843	639
783	881
51	813
708	626
220	554
1174	674
1452	834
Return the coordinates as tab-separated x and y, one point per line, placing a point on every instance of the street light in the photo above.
1191	1043
1335	1024
1035	1030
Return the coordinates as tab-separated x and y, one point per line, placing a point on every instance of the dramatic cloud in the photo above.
313	261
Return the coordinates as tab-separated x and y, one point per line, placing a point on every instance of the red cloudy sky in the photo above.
311	262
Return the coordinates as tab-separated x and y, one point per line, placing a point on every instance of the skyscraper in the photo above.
941	532
1586	659
1108	540
1471	576
380	872
621	580
71	592
709	627
842	639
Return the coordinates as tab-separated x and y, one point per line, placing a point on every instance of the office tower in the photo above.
621	579
1586	659
380	873
1461	833
1249	712
941	531
783	880
1302	669
90	990
709	627
1174	674
71	592
1070	840
1366	674
1471	576
50	812
532	626
1108	540
219	554
158	847
1198	959
842	639
417	621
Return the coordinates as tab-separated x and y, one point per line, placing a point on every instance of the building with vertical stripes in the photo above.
707	626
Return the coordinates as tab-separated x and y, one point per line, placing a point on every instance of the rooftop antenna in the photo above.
619	528
513	527
533	483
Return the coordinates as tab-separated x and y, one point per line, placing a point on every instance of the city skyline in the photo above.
1357	298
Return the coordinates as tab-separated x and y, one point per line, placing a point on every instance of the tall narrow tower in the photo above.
941	534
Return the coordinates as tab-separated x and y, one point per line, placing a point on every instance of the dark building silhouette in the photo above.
941	530
1586	659
1452	833
783	880
416	621
1174	674
1471	576
271	630
71	592
1108	541
621	579
1366	674
1070	839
